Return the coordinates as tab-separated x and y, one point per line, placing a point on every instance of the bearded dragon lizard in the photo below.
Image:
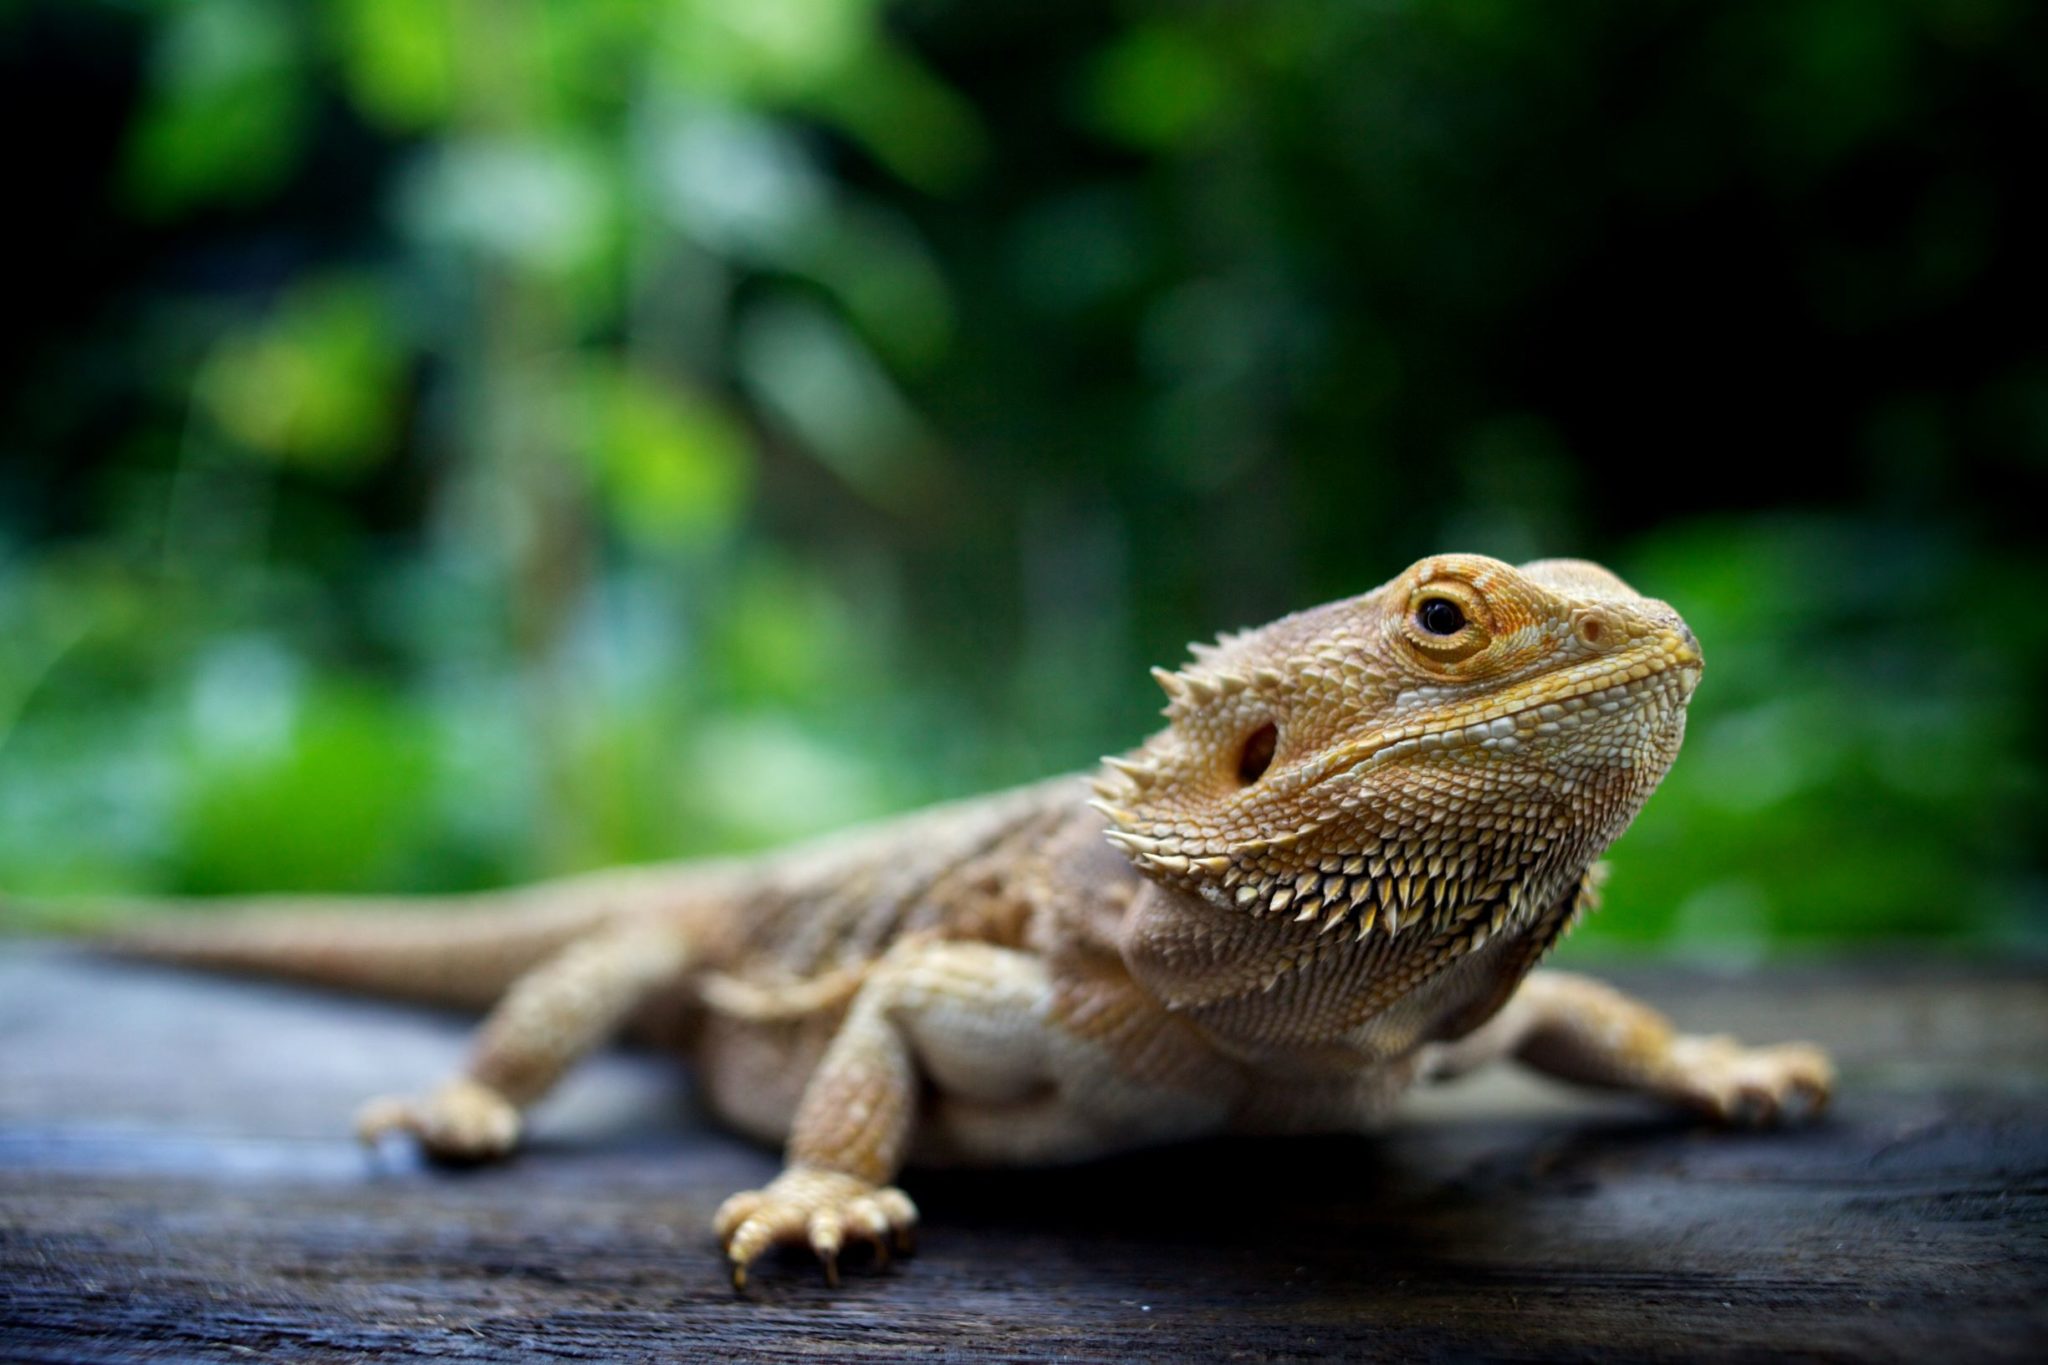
1329	877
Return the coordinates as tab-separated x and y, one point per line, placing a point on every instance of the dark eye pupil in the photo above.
1440	616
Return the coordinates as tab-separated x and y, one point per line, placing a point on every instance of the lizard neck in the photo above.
1408	919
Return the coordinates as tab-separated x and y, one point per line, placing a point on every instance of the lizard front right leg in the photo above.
547	1021
1582	1030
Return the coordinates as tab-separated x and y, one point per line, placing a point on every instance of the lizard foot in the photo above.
1754	1087
819	1208
462	1121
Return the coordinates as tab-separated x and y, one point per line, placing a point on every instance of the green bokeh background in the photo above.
448	442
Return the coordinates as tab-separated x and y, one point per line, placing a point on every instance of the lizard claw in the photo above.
817	1208
462	1121
1754	1087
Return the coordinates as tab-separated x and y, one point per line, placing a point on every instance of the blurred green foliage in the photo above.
452	441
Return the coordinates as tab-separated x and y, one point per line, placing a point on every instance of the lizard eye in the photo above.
1447	622
1440	616
1257	755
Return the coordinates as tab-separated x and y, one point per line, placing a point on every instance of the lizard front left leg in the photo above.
1582	1030
853	1126
1012	1074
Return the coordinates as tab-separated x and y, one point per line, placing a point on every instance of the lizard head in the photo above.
1437	759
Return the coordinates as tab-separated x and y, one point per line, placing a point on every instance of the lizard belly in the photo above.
753	1072
1037	1088
1081	1106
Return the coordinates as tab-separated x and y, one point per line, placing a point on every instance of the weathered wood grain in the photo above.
175	1183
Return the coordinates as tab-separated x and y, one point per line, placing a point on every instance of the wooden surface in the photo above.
175	1183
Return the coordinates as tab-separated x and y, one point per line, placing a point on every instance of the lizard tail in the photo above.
461	951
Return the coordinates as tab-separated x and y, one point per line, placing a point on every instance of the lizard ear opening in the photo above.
1257	755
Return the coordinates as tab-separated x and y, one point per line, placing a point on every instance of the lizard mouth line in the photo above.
1603	694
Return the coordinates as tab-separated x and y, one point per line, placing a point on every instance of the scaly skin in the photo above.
1328	878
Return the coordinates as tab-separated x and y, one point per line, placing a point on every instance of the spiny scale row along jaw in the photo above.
1430	752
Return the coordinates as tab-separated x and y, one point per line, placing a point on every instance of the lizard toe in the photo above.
826	1232
736	1210
1802	1078
865	1218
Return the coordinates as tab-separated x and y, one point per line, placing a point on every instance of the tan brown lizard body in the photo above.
1328	878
